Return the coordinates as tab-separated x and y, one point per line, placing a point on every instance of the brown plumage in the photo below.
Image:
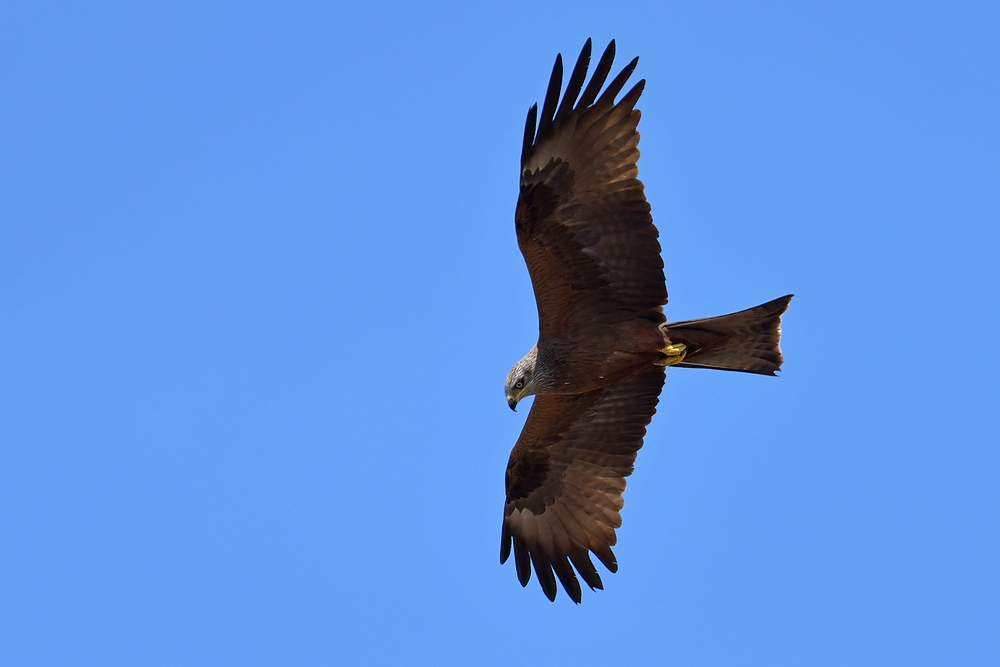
587	236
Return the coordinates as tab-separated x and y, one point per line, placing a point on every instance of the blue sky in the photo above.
259	292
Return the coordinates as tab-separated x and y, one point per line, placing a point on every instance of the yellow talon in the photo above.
673	355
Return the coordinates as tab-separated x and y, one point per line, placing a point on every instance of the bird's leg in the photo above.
673	355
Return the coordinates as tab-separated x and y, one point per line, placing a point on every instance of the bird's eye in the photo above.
519	384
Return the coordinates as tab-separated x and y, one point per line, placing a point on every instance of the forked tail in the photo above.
747	341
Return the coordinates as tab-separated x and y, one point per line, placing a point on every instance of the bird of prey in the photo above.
587	236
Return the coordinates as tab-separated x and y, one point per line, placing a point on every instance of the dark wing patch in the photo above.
566	477
536	202
526	471
583	223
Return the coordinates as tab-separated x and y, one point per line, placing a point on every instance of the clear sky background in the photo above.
259	292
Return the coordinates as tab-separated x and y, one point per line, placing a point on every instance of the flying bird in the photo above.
587	236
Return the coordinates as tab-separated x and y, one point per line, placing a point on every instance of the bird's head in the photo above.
520	379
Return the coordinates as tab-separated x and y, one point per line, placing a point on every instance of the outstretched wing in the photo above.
583	223
565	480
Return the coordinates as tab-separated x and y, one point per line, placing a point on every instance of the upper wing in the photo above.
566	476
582	219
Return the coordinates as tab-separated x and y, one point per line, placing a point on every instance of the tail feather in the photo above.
747	341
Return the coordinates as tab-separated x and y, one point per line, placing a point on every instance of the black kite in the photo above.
584	227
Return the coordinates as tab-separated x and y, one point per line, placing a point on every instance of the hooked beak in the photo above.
512	402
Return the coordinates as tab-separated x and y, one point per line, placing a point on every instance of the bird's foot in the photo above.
672	355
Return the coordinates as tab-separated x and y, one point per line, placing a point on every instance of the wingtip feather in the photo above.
607	557
618	83
551	98
575	83
567	578
530	124
522	562
543	570
505	540
585	566
599	76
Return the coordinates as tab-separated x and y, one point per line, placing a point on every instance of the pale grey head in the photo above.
521	379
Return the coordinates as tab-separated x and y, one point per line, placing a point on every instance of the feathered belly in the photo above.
602	357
